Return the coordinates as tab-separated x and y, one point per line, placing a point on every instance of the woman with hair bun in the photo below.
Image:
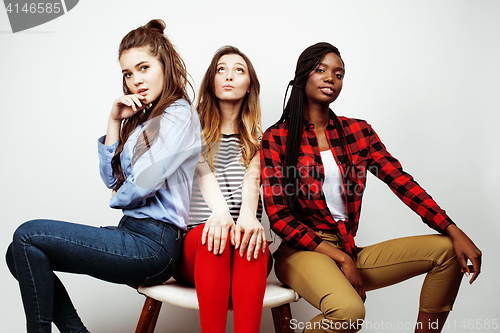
148	158
225	251
314	168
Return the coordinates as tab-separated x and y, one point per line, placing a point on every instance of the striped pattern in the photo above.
229	171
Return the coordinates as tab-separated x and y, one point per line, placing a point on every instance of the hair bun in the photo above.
156	24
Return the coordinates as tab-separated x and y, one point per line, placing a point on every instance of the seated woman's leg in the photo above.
211	274
247	291
39	247
396	260
317	278
64	314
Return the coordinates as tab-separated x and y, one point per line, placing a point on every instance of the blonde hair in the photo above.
249	121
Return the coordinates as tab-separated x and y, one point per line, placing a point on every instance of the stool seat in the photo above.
277	297
174	293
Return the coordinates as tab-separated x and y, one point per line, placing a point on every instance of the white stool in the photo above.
277	297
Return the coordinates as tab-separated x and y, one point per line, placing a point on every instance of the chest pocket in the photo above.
309	175
360	157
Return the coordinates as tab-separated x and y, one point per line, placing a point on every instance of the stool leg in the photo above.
281	318
149	316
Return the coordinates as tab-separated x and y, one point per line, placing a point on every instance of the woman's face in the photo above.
143	73
325	81
232	80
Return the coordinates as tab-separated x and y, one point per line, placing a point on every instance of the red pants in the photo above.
219	277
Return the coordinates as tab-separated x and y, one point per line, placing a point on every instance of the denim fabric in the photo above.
158	184
137	252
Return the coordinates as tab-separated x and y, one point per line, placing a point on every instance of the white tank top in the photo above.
333	187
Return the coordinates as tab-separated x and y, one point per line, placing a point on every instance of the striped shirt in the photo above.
229	171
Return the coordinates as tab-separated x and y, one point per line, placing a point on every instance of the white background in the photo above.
425	74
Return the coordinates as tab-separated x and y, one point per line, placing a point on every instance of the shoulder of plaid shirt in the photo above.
368	154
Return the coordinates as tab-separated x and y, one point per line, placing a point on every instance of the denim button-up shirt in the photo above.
158	185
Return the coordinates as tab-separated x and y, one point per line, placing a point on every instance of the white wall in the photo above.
423	73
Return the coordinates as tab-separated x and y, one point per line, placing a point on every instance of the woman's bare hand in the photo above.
216	231
126	106
254	236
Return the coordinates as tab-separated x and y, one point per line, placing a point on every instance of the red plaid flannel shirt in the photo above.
368	154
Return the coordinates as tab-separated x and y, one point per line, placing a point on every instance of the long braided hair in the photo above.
293	114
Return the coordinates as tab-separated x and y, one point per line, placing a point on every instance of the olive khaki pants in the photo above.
318	279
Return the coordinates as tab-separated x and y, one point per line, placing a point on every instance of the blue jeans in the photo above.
137	252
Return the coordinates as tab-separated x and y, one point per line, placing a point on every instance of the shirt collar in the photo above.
330	126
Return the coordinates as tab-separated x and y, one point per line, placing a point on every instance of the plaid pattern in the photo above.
368	153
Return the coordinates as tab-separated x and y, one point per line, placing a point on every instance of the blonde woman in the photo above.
225	251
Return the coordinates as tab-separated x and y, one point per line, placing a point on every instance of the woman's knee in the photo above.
19	239
24	231
9	258
32	227
351	311
444	248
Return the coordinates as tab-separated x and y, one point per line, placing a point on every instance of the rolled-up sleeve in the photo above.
106	154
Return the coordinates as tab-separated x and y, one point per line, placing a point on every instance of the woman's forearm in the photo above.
339	256
209	188
113	132
251	187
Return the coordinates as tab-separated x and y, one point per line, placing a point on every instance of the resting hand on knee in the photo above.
465	249
216	231
346	264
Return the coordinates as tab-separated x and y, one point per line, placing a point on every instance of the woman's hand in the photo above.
216	230
123	107
348	267
254	236
465	249
126	106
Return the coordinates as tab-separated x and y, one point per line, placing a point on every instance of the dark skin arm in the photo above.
465	249
347	266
